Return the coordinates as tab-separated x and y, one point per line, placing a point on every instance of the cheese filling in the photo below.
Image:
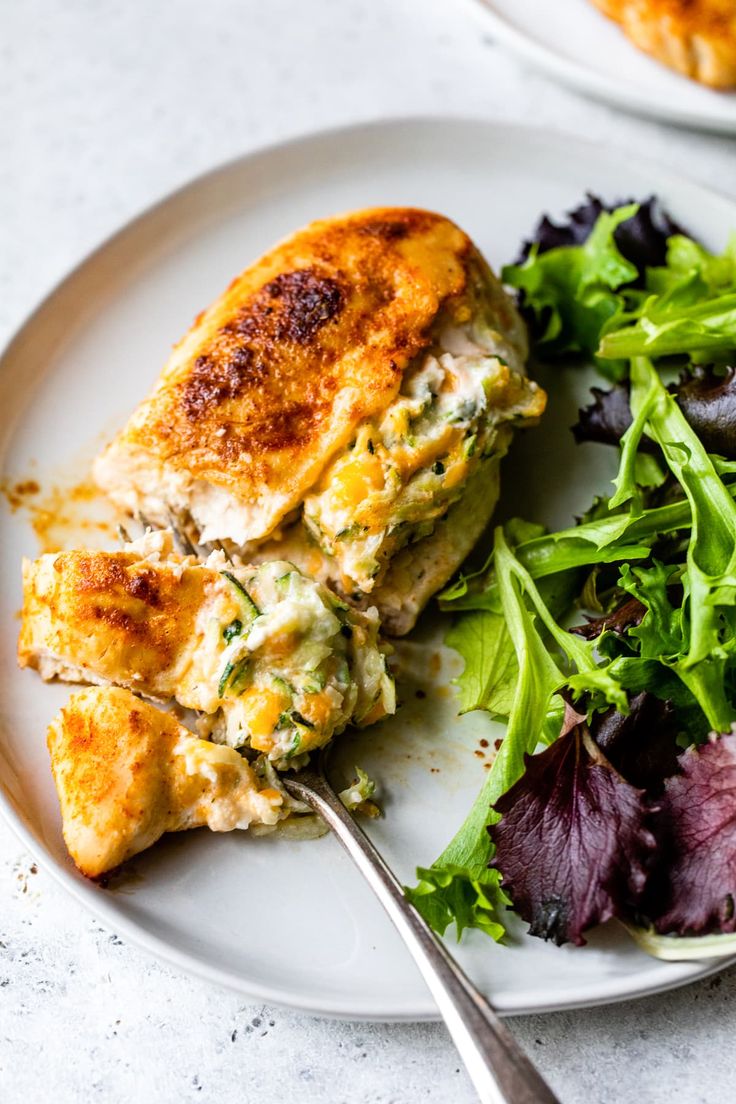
237	801
296	665
402	473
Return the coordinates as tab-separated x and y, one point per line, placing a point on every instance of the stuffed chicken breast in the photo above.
340	397
126	773
273	660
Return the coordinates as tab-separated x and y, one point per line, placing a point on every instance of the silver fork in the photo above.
181	538
498	1068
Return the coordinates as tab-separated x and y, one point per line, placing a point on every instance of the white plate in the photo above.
282	921
576	43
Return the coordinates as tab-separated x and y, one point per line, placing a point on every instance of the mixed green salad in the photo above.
609	648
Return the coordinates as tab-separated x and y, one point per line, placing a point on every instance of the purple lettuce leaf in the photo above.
574	230
607	418
642	239
642	744
572	844
626	616
707	399
694	889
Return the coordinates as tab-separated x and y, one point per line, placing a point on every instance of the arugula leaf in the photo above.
710	580
459	885
626	481
612	537
588	674
552	555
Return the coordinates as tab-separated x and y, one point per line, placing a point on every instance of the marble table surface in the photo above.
107	106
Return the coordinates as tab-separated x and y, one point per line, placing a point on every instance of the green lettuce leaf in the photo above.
489	678
482	638
703	331
446	892
571	290
689	308
710	578
459	886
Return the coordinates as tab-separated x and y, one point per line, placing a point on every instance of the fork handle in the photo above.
498	1068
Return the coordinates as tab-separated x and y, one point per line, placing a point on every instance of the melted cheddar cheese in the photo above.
403	472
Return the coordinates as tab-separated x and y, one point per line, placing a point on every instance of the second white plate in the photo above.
574	42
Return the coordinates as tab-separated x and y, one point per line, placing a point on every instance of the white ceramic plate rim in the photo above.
643	983
584	79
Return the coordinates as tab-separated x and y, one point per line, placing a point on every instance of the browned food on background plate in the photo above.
695	37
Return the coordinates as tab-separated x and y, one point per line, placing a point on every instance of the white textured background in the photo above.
105	106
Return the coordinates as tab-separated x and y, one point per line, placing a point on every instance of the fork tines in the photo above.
182	539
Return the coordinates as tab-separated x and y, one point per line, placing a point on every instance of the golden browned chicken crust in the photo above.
272	659
338	399
273	378
695	37
126	773
115	617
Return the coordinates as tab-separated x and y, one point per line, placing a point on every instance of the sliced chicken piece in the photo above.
126	773
275	659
